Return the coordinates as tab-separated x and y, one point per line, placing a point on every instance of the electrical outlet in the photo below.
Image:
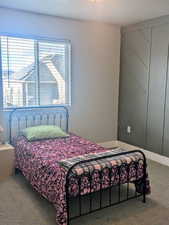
129	129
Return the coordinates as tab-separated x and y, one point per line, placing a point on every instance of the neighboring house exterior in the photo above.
22	88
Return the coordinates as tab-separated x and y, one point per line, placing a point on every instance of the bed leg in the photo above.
144	189
17	171
144	198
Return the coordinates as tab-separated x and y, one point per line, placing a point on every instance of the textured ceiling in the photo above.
115	11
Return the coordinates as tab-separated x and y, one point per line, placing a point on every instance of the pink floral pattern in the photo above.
38	161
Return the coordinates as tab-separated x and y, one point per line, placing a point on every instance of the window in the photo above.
34	72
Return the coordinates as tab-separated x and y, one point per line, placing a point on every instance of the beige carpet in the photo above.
20	205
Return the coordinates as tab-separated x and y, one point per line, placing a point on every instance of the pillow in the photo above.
43	132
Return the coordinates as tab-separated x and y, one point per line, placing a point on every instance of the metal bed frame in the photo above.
119	169
50	114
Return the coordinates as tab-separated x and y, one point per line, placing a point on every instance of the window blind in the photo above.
34	72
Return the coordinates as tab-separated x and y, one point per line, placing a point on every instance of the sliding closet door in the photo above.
134	76
157	88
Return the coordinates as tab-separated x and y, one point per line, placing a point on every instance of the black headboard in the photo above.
21	118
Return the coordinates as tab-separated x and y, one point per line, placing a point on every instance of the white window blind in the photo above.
34	72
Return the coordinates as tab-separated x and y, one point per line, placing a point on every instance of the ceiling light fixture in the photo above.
96	1
93	1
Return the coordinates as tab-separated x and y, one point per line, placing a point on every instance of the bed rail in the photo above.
110	203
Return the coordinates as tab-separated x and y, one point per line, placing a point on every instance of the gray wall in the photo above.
144	87
95	67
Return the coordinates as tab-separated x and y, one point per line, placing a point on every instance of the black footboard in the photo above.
109	188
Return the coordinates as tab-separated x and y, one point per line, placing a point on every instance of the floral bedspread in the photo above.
39	163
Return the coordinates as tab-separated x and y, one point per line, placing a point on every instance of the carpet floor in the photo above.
20	205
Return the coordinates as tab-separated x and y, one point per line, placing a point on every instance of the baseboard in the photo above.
157	158
150	155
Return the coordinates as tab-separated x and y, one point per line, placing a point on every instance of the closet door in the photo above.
157	88
134	78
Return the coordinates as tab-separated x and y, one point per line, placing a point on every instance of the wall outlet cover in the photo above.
129	129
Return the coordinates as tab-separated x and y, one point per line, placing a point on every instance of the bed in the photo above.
70	168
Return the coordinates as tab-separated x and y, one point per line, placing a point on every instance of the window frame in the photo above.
68	69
